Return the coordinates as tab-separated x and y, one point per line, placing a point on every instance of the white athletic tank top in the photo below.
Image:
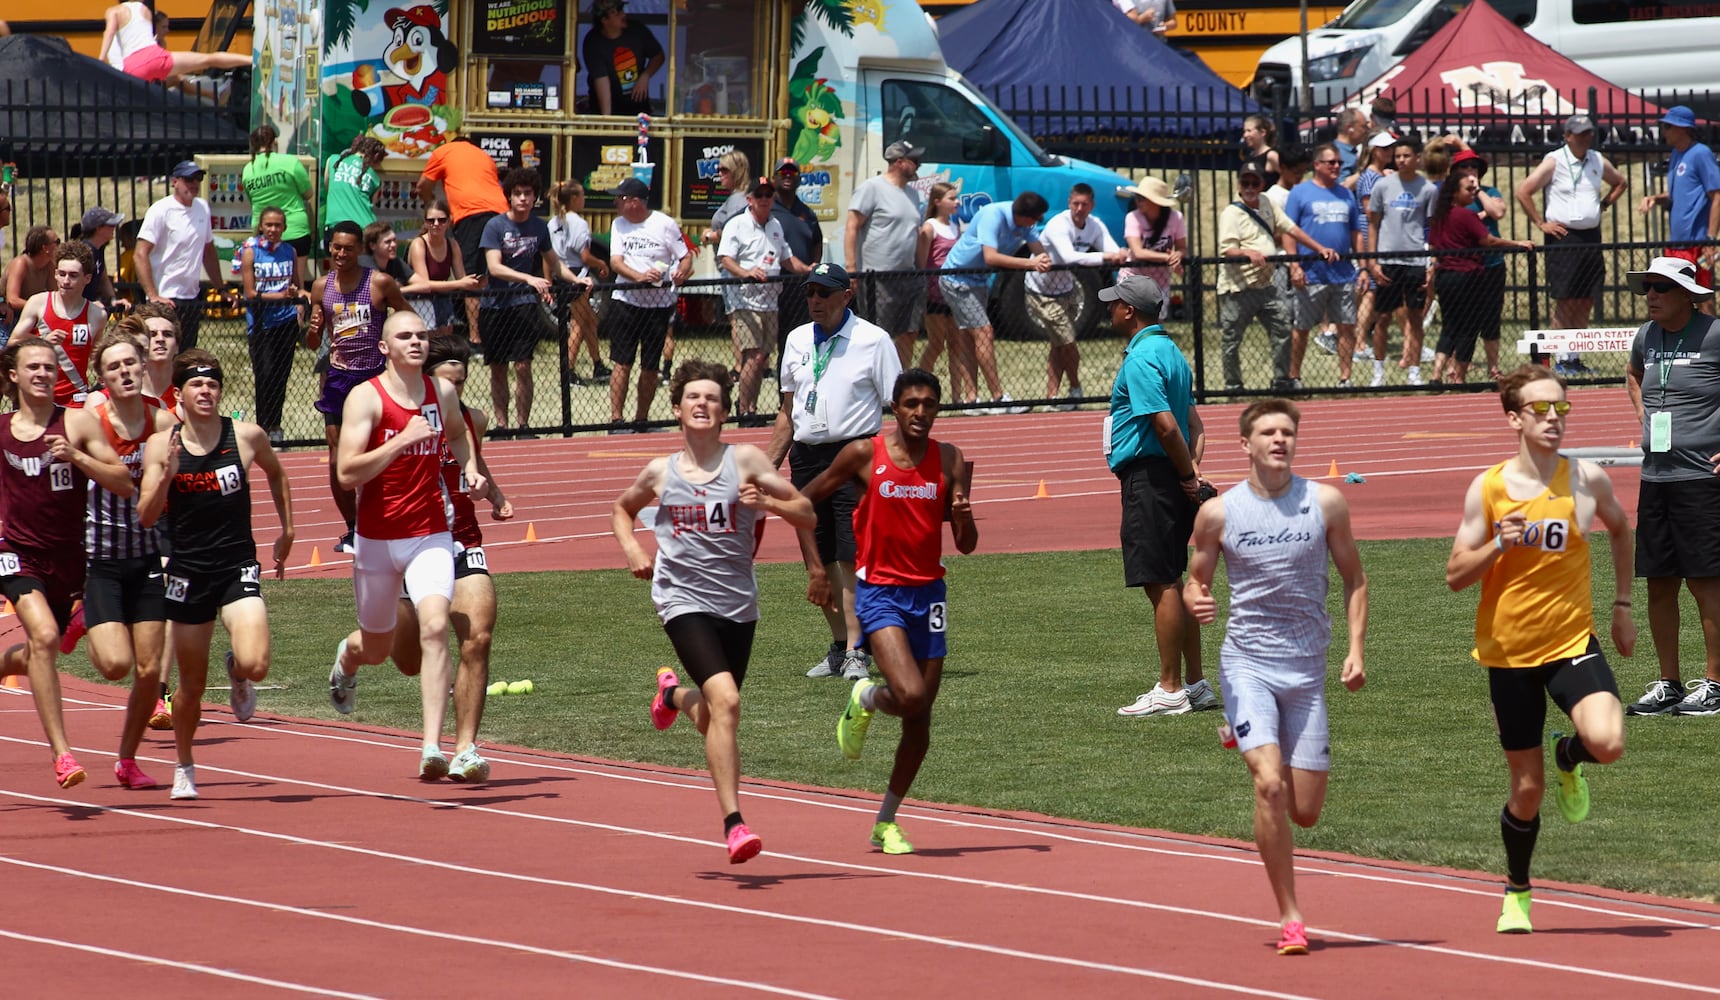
134	35
705	546
1275	556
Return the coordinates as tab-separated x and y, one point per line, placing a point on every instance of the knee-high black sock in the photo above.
1519	836
1571	751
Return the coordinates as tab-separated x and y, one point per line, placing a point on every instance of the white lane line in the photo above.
156	960
462	940
889	933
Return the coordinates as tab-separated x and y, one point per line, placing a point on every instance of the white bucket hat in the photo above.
1676	269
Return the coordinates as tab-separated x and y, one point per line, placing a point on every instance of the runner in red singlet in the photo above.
910	484
67	320
390	451
473	612
42	482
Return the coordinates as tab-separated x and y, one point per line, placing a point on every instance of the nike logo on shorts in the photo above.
1586	656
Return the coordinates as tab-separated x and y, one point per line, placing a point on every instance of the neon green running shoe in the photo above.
1514	917
851	728
1572	793
887	837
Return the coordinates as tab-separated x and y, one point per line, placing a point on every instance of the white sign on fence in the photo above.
1614	340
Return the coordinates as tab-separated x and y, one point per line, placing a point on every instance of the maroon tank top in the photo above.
41	498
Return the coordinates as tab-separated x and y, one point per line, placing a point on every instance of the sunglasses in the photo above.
1540	407
1658	286
820	292
436	222
1327	163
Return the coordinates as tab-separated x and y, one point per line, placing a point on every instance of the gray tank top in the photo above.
1275	555
705	546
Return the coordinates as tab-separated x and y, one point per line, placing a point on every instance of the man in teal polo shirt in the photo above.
1153	442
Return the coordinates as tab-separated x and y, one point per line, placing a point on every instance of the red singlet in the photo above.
898	523
76	348
466	529
406	499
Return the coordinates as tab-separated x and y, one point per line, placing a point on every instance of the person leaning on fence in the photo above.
1398	210
735	171
1459	278
1055	299
1323	290
266	266
805	237
1572	176
753	248
1371	336
1489	206
1249	229
1674	383
1692	195
941	230
883	234
991	241
570	237
175	238
438	266
647	252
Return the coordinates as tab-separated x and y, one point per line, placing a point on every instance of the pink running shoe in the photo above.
743	844
1294	940
131	776
162	718
663	714
74	631
67	771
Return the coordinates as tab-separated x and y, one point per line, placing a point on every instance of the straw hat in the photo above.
1154	190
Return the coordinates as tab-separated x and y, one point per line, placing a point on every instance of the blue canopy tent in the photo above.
1077	67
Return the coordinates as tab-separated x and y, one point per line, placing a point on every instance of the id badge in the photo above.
1660	432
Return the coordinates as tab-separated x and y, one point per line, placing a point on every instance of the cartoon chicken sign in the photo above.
419	57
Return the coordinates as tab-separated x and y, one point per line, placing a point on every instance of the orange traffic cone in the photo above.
1333	472
316	556
531	532
1043	494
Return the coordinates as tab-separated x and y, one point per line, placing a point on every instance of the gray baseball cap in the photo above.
1136	290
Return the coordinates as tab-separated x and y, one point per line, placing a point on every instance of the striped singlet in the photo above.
1537	601
111	530
355	324
1275	556
704	546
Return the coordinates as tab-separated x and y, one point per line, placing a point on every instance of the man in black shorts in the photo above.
521	262
1534	630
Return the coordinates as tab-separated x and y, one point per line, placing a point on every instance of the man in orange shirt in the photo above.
1524	536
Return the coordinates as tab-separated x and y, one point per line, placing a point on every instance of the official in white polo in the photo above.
836	378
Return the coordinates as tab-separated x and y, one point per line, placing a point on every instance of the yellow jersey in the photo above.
1537	601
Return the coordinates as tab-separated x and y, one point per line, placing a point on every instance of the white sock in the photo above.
887	810
869	697
1379	368
1415	371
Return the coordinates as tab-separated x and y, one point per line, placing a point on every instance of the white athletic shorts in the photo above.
425	565
1274	704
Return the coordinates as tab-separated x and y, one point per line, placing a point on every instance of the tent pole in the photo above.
1307	95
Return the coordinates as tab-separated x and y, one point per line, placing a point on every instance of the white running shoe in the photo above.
241	694
342	688
830	665
1201	697
1427	355
1158	701
185	781
1414	375
1007	404
1379	378
856	665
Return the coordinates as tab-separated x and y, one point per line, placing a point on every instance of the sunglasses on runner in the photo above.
1540	407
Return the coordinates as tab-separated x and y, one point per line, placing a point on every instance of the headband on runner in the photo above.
197	371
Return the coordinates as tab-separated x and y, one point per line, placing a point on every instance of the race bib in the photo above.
9	564
178	587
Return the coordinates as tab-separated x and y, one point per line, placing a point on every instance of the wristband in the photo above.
1621	604
1499	542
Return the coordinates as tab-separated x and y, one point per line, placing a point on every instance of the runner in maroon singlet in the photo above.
67	320
473	612
42	482
391	442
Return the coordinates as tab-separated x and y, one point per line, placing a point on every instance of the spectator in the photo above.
1692	195
5	302
1382	111
1353	128
174	238
437	266
31	272
129	29
1258	135
1155	435
1323	290
96	228
940	231
67	320
1459	278
1249	229
276	179
647	250
837	374
1489	207
735	171
1572	176
620	58
1293	163
570	236
1398	211
520	261
1157	16
754	248
473	191
1055	299
1368	331
884	235
1672	380
805	237
351	186
997	232
382	251
267	265
1156	233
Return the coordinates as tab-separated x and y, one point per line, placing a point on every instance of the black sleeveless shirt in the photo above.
209	508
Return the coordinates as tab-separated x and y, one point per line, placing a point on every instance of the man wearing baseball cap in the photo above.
97	228
805	237
649	256
1672	379
883	234
175	236
1692	194
1153	443
753	247
1572	176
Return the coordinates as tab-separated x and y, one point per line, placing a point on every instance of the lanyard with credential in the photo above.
1666	359
820	361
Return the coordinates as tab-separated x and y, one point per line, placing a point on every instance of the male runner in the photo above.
344	307
42	480
1275	531
391	440
212	565
124	607
1524	536
909	485
712	494
67	320
473	611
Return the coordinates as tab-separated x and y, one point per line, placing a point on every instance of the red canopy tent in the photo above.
1483	70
